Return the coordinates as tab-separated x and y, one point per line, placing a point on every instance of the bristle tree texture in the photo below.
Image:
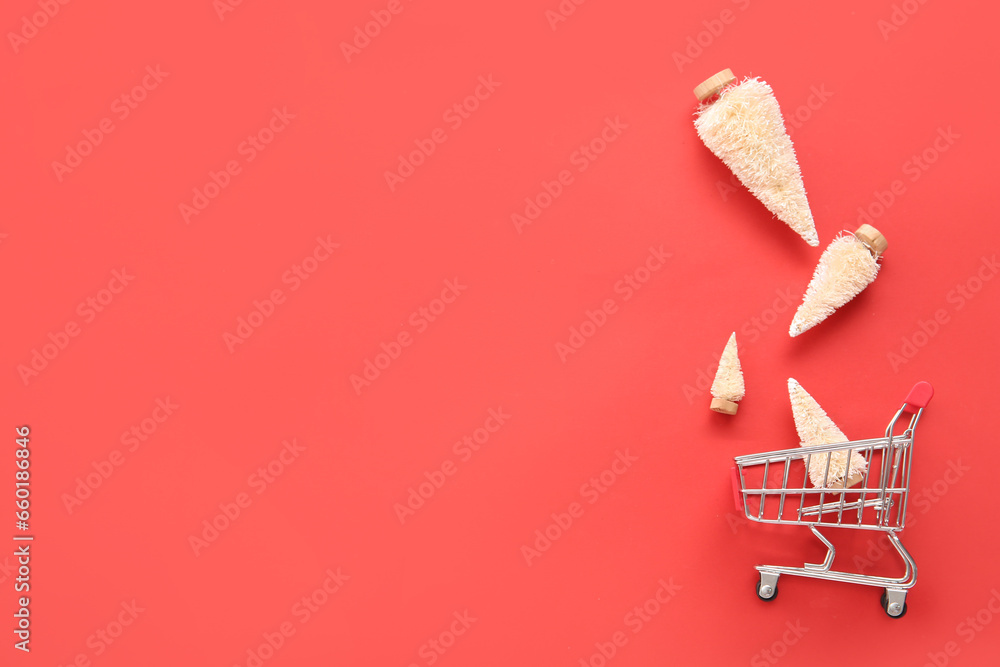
728	387
744	128
845	268
815	427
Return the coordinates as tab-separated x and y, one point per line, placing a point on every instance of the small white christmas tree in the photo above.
744	128
847	266
816	428
727	388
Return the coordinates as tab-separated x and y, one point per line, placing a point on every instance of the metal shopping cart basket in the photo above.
774	487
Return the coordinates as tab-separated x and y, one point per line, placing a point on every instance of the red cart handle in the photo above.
919	397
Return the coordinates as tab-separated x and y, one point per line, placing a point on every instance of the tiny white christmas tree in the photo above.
847	266
815	427
744	128
727	388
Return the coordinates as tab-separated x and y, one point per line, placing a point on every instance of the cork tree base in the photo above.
723	406
872	238
714	84
855	479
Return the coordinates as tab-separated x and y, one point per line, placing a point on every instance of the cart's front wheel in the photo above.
896	607
767	587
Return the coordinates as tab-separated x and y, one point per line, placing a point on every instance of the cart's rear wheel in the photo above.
767	587
896	609
767	597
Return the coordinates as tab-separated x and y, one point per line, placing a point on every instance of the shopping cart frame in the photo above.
877	503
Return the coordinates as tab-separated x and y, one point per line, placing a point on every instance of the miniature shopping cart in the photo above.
774	487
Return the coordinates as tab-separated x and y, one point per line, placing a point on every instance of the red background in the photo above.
885	97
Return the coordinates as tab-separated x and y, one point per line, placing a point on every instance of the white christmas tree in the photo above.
847	266
744	128
816	428
727	388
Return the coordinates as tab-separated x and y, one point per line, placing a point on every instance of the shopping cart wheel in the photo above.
896	606
767	587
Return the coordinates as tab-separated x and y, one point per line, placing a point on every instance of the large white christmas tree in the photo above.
847	266
744	128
